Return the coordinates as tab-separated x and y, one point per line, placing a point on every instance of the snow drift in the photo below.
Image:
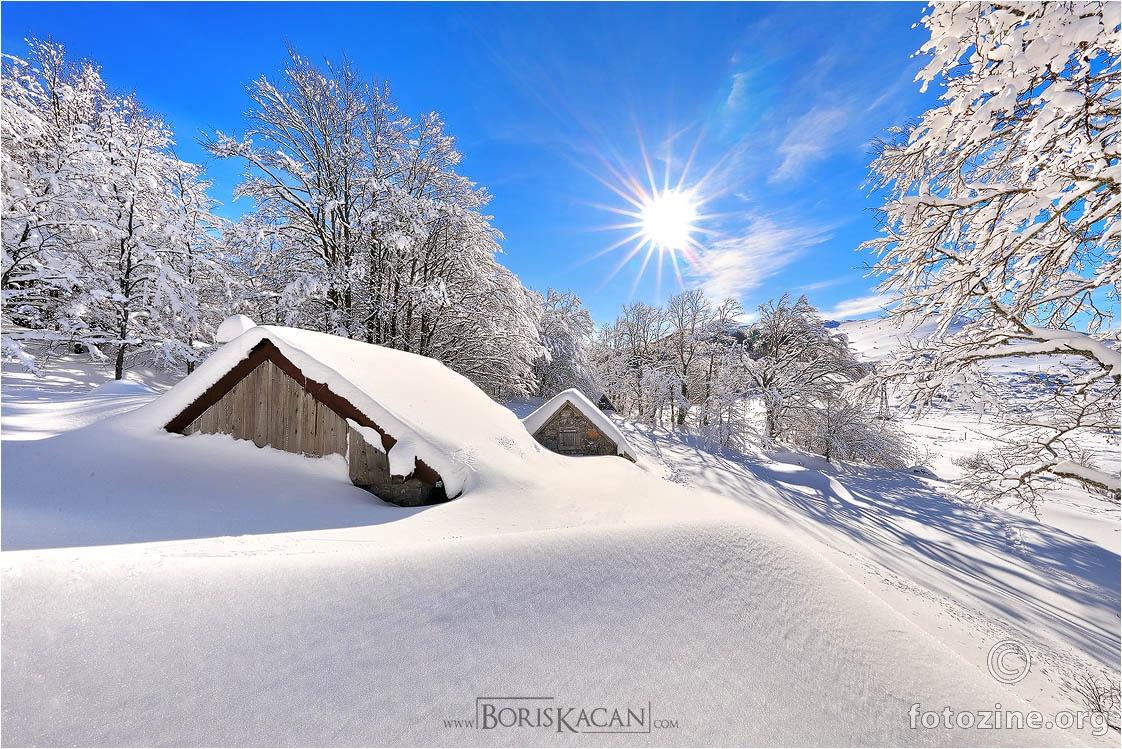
232	327
232	595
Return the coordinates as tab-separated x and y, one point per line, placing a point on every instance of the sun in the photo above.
667	219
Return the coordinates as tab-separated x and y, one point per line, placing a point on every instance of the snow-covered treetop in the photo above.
1004	200
1004	212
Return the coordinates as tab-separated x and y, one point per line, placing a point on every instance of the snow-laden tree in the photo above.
194	232
307	170
609	367
796	362
489	333
840	425
52	169
1002	219
647	384
108	238
691	319
136	293
566	332
703	335
364	228
680	364
270	279
720	416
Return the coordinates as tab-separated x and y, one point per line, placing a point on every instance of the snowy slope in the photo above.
731	629
969	576
71	393
953	431
198	590
877	337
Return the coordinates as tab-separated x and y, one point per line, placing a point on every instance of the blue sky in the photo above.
780	100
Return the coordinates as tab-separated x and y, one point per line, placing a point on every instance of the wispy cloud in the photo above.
735	266
860	306
807	288
890	93
809	139
737	91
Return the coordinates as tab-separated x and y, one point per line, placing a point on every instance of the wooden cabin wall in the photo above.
369	465
270	408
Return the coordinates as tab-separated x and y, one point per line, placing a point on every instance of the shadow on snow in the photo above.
1033	574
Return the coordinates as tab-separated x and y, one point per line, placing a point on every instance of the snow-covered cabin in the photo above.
398	418
569	423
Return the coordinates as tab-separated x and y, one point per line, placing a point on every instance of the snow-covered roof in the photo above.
538	418
435	414
232	327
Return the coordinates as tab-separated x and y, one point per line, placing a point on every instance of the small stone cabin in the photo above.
272	386
570	424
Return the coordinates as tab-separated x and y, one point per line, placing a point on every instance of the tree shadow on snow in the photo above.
1031	573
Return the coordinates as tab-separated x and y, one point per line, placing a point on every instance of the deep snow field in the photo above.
160	589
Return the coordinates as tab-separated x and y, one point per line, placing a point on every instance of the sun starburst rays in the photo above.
667	221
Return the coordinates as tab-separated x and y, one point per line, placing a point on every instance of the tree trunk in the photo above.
772	421
119	369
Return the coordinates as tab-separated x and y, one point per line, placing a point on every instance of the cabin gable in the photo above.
570	432
268	407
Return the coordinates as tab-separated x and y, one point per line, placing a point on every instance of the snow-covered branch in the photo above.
1002	219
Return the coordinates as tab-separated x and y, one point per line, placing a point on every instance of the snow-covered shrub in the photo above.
12	350
1101	695
1003	473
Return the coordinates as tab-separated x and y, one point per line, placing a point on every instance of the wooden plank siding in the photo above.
368	465
266	399
268	407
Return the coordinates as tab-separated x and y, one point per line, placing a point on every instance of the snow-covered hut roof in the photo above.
537	419
232	327
432	413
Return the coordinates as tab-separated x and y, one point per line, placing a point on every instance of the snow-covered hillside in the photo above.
956	430
198	590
